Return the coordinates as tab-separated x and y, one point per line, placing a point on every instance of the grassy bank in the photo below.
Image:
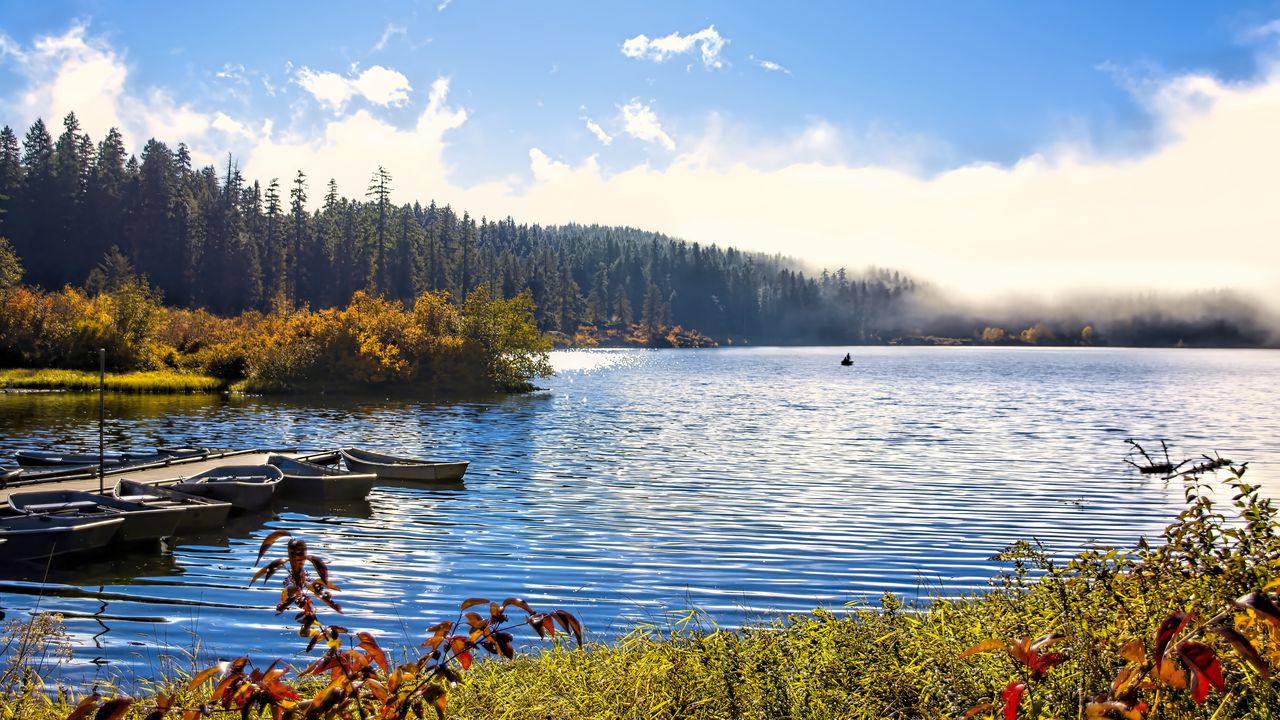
152	381
1178	627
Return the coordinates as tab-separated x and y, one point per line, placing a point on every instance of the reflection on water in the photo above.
742	481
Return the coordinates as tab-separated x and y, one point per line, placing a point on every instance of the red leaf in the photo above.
267	542
1245	648
1205	669
982	647
979	708
84	707
569	623
503	641
113	709
518	603
1261	604
472	602
1041	663
297	556
322	570
204	675
267	571
495	613
370	646
1171	626
464	658
1012	695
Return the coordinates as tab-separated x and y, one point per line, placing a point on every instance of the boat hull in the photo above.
405	469
308	481
198	513
246	487
141	523
39	537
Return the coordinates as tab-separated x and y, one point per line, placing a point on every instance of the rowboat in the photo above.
390	467
310	481
141	523
38	537
246	487
198	513
7	474
54	458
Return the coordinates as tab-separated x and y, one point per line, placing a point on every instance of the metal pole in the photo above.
102	413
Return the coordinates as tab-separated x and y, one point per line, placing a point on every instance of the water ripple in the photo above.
743	482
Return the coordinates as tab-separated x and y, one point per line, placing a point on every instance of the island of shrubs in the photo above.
51	339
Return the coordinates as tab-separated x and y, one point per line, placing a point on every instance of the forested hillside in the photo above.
210	238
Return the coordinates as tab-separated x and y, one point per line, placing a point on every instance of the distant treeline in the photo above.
209	238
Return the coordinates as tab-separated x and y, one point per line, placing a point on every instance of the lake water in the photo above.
742	482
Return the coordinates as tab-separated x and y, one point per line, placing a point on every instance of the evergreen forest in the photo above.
207	237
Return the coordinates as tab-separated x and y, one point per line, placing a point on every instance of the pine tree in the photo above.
380	190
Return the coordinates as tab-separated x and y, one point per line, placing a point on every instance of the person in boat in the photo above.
848	359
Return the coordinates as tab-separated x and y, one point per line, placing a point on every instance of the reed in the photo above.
151	381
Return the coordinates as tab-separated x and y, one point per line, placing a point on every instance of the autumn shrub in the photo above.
503	339
487	343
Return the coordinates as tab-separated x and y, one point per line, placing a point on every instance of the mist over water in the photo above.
744	482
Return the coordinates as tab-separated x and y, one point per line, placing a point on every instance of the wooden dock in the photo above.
152	473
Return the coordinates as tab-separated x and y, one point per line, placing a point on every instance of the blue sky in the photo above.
671	115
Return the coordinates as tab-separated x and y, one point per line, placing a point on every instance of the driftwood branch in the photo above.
1167	469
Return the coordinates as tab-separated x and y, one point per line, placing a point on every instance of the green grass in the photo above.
154	381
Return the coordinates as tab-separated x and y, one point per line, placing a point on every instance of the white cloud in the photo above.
351	147
382	86
642	123
707	41
769	65
443	4
392	30
231	71
378	85
1264	31
604	137
329	88
1197	210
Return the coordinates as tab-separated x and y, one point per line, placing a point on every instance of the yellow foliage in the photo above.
488	341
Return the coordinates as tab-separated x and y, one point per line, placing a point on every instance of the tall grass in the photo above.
151	381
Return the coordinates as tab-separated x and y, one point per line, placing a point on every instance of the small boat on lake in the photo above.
198	513
53	458
848	360
39	537
310	481
246	487
391	467
141	523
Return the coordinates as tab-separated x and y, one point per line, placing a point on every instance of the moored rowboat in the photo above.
310	481
246	487
37	537
390	467
198	513
49	458
141	523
